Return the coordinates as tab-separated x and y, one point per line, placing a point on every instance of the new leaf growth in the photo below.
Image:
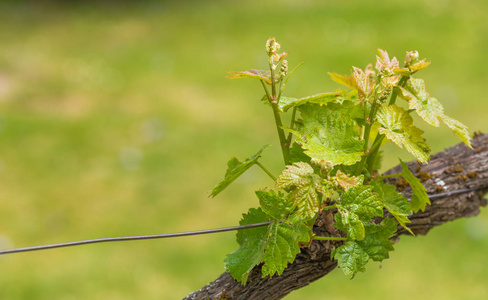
332	158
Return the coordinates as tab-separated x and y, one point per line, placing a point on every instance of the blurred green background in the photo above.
116	119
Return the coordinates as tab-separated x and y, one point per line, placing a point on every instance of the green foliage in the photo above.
298	174
252	243
376	243
256	74
394	202
235	168
430	109
361	201
330	164
458	128
282	246
275	245
419	194
356	208
329	135
298	155
287	102
397	126
304	186
275	205
351	224
344	80
353	256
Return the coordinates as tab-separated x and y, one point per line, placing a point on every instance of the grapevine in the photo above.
332	153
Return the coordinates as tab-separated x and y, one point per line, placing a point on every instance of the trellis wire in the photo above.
179	234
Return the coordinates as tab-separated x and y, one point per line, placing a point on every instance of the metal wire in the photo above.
460	191
131	238
180	234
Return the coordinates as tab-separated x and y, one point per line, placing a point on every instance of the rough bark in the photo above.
456	168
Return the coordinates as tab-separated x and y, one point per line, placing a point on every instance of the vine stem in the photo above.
329	238
285	148
267	92
266	170
403	80
367	129
379	137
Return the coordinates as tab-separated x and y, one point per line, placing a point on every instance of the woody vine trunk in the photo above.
456	168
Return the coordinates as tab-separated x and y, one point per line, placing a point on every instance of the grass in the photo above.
116	119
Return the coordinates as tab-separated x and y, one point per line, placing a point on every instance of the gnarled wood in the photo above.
456	168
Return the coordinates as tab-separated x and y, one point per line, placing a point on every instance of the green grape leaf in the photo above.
363	81
303	231
231	165
351	258
458	128
397	126
394	202
419	194
344	181
297	154
252	244
282	246
286	103
241	262
344	80
384	64
351	224
323	186
349	107
275	245
328	135
356	207
257	74
420	65
298	174
305	184
431	110
254	215
235	168
306	199
277	206
362	202
428	108
376	243
378	161
402	71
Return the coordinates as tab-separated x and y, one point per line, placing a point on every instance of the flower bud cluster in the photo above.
272	48
385	92
411	58
325	166
284	68
413	63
